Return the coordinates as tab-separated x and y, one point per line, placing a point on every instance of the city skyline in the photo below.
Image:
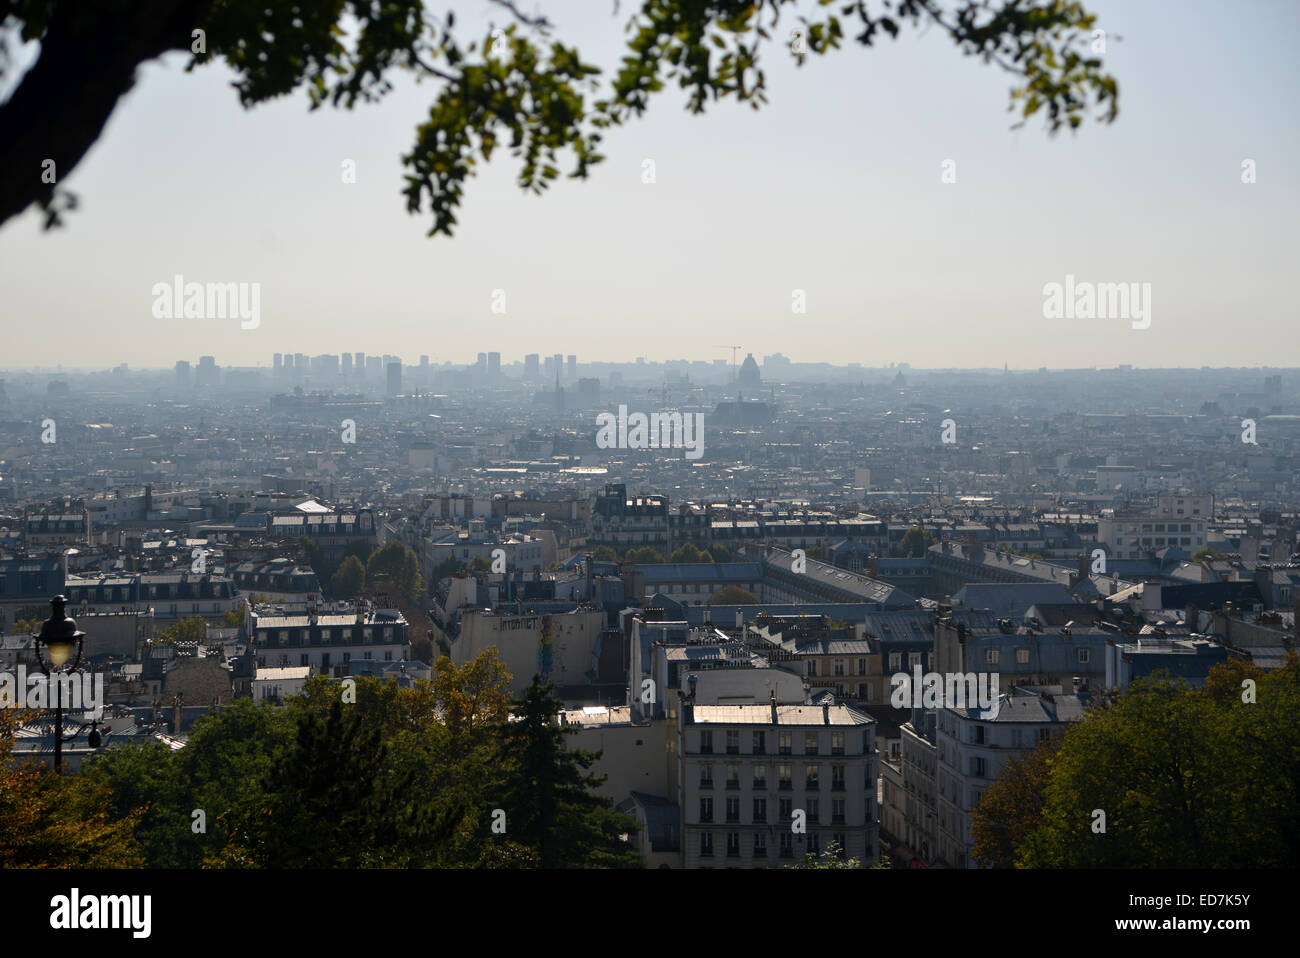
855	216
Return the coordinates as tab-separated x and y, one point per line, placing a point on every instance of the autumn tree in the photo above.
49	820
515	87
1012	807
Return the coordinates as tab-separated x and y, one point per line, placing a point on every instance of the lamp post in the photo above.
61	638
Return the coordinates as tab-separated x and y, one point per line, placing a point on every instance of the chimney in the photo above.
773	703
1264	582
740	617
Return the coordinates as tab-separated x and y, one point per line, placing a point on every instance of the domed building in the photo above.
749	377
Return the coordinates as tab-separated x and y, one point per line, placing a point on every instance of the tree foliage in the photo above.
349	579
547	794
394	565
1186	778
48	820
516	87
733	595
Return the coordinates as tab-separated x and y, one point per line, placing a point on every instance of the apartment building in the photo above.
973	745
760	786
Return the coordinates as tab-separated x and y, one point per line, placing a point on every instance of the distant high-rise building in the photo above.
530	366
360	361
275	363
374	366
208	371
482	363
394	379
183	371
573	367
347	364
494	365
749	376
424	362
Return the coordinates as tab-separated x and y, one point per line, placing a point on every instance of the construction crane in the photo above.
733	352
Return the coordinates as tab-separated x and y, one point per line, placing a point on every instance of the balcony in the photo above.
706	783
733	785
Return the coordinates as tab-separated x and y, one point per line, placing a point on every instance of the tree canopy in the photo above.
516	87
1185	778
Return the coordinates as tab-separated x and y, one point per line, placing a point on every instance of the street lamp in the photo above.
61	637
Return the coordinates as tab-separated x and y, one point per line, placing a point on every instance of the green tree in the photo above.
733	595
604	554
512	87
349	579
689	553
1186	778
915	541
191	629
1208	555
720	553
333	801
547	795
315	556
832	856
394	564
643	555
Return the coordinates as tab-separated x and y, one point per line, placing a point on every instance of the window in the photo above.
706	808
706	775
895	661
810	743
814	809
787	845
1022	656
864	692
760	811
977	766
733	777
760	743
837	778
1083	655
1044	734
733	844
839	667
837	811
783	740
991	656
812	666
760	845
977	735
837	743
733	810
913	659
862	666
785	809
811	773
706	741
783	778
760	777
706	844
733	741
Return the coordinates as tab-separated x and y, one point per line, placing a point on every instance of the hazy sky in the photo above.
834	188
